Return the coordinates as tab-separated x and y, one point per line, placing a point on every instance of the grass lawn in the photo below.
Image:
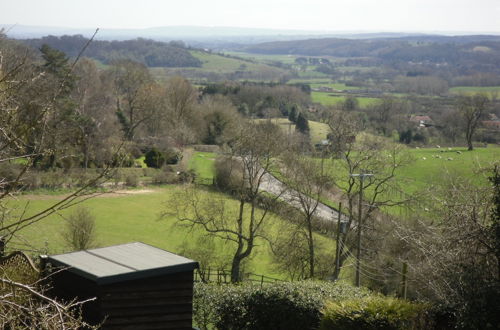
203	164
136	217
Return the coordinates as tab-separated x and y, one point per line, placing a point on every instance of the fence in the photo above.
222	276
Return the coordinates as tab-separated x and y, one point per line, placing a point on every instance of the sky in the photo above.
316	15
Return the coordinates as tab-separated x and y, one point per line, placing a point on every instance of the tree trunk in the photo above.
311	248
235	269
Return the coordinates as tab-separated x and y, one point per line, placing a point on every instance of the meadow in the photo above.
332	99
474	89
318	131
146	214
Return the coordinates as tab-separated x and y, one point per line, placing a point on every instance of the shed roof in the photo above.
123	262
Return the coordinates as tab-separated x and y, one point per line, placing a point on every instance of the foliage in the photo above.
373	312
283	305
155	158
302	125
148	52
80	231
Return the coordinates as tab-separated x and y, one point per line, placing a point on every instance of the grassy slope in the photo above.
431	170
136	217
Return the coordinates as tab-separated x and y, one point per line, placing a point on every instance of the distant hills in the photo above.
209	37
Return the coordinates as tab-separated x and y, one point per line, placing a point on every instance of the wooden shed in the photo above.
137	286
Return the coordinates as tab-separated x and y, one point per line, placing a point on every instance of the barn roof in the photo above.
123	262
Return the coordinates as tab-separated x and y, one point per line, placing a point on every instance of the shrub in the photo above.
163	177
80	231
132	180
154	158
374	312
281	305
172	157
228	174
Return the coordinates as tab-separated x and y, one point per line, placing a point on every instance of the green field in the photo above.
132	217
429	169
203	164
338	86
318	131
474	89
331	99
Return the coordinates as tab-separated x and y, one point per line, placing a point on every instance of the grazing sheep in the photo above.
459	152
449	149
424	158
438	146
449	158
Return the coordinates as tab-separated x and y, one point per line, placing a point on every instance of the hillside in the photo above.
481	53
148	52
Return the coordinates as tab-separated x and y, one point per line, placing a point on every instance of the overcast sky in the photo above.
331	15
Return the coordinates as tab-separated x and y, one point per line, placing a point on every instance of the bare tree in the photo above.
308	182
28	105
455	257
472	109
364	154
253	154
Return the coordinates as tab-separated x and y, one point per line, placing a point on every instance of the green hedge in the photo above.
281	305
374	312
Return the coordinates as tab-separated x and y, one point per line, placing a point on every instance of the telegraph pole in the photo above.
358	251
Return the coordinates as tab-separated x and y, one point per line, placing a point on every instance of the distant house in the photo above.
421	121
493	124
137	286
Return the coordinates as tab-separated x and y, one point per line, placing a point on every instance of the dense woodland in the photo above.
105	110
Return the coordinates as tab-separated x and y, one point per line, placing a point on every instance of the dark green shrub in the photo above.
374	312
154	158
172	157
281	305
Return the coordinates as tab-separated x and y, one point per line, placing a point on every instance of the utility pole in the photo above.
358	251
337	256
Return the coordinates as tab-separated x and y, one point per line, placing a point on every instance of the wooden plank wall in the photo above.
164	302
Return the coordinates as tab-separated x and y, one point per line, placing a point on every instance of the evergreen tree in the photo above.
292	115
302	125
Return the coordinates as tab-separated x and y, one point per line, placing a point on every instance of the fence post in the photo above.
261	281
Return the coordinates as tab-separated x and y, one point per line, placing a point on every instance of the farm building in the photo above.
137	286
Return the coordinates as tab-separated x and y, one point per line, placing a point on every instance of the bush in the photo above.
228	174
283	305
374	312
172	157
80	232
154	158
132	180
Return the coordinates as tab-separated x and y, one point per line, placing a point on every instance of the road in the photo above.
273	186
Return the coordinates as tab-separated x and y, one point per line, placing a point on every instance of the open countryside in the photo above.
249	181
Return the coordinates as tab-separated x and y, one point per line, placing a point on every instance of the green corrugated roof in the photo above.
123	262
